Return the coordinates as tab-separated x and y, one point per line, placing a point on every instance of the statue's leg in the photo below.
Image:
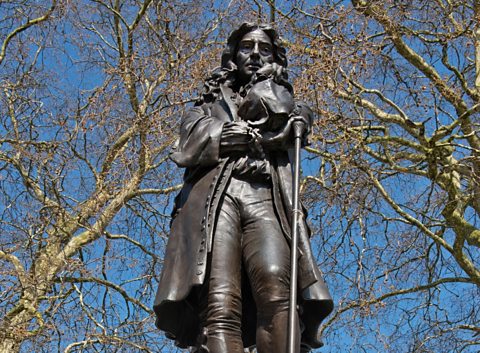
267	259
224	304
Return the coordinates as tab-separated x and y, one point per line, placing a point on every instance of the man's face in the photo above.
254	51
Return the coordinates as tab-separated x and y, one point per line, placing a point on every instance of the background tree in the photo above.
90	93
90	100
396	191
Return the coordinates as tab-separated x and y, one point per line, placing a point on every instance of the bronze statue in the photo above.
225	279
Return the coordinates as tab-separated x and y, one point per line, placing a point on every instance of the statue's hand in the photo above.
236	137
284	138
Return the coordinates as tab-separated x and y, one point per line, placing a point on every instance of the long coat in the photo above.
193	227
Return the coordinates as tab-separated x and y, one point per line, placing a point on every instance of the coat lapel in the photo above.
232	108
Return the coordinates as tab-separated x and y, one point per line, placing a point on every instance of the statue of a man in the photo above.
226	276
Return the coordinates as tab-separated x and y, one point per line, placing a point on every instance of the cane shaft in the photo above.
293	341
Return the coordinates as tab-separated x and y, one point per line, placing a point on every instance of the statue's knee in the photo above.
275	280
278	272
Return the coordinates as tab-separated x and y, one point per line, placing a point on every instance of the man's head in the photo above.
254	51
250	47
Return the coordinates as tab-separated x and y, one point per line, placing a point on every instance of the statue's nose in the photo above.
255	51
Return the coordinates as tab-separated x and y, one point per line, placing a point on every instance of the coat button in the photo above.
199	273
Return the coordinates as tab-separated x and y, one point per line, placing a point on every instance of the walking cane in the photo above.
298	127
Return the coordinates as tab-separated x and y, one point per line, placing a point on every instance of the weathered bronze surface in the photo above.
225	280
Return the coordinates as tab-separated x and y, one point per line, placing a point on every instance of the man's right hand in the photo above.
235	137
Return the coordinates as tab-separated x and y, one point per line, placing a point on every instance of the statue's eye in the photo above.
246	46
265	49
